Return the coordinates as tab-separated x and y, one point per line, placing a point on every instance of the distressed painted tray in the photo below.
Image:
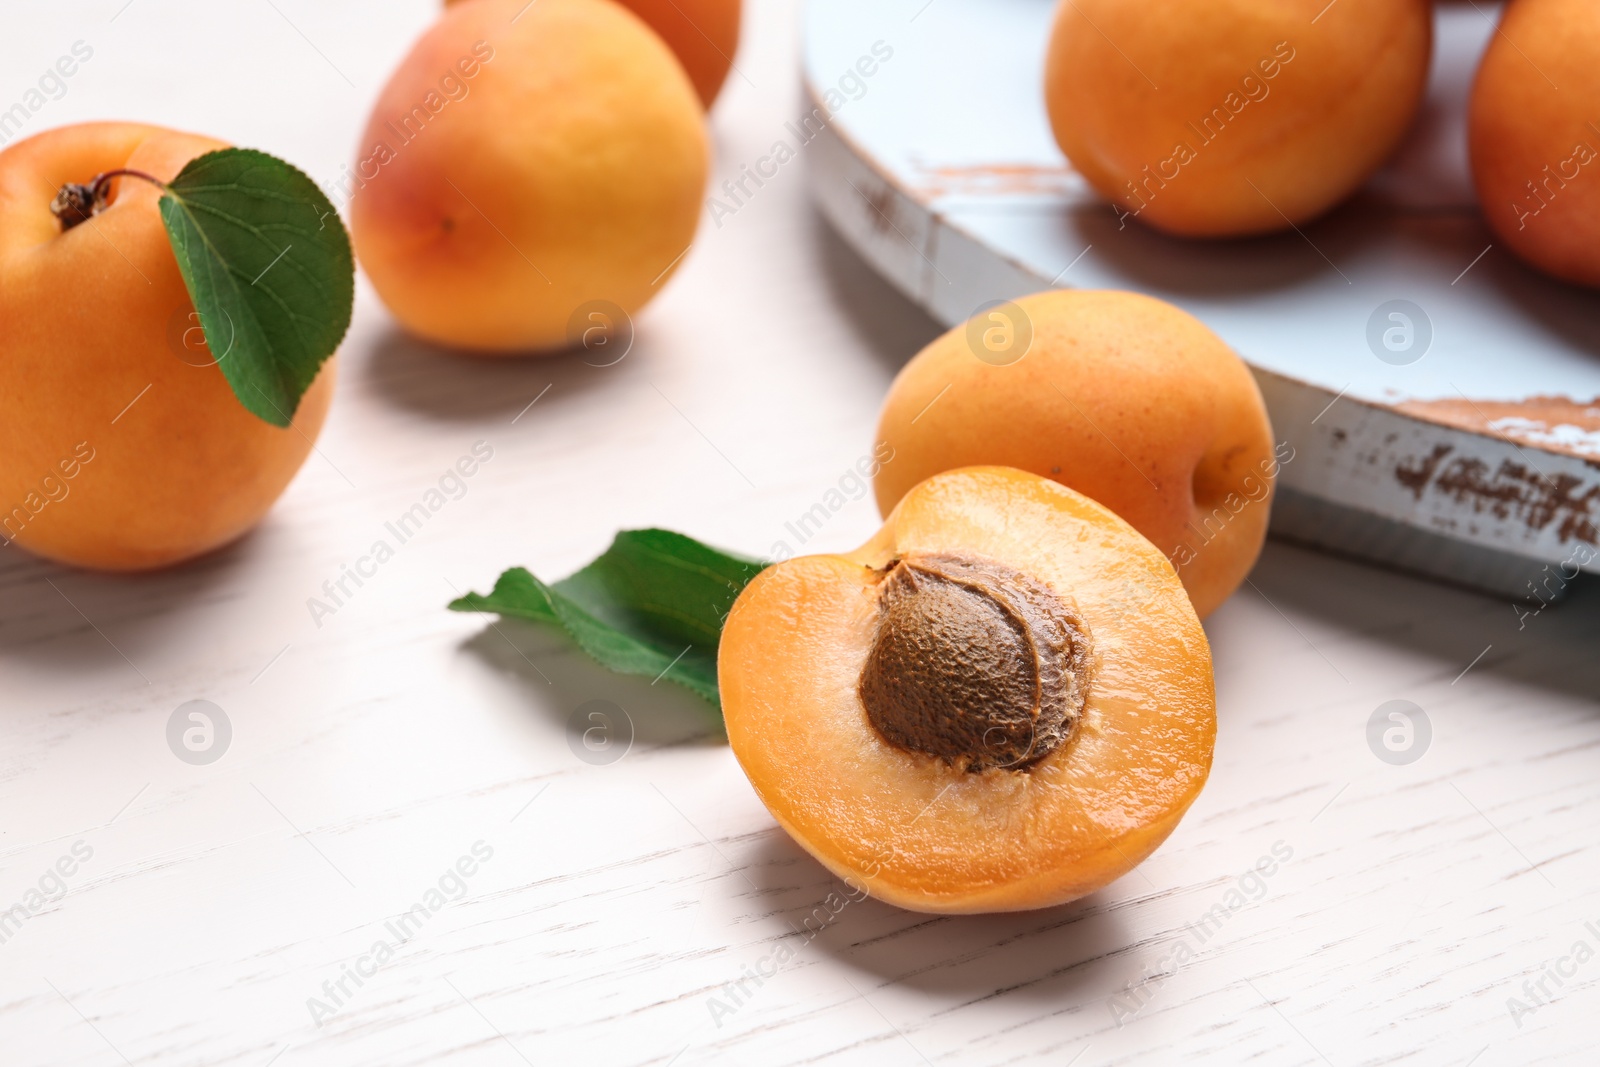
1441	398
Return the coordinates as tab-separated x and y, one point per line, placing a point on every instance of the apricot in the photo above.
1120	396
1003	700
1533	136
703	34
526	162
1230	117
122	446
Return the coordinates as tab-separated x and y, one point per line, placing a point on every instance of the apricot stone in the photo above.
122	446
1210	118
1534	139
1122	397
973	662
523	163
1044	720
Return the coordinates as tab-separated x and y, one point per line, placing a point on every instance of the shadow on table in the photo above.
561	681
449	386
1363	234
888	323
1550	647
1074	957
114	617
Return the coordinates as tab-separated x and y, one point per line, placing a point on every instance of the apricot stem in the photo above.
77	203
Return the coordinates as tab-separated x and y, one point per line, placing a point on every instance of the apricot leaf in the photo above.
268	265
653	605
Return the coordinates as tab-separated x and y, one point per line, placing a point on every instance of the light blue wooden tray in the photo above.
1473	455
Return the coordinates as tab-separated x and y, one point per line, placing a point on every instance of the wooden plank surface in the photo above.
616	911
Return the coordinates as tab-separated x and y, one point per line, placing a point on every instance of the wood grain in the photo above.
624	903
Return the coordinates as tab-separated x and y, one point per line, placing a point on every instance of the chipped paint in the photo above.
998	179
883	204
1547	423
1416	476
1562	437
1508	491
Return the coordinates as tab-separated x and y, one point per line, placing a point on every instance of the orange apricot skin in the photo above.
1120	396
1534	146
1233	117
907	828
703	34
569	168
96	363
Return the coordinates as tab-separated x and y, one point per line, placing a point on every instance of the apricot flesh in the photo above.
1233	117
1533	137
122	446
1122	397
703	34
923	832
523	164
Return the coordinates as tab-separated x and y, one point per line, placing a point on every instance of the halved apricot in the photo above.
1002	701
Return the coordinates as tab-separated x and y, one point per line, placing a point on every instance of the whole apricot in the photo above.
1210	118
1001	701
1122	397
703	34
523	163
122	446
1534	139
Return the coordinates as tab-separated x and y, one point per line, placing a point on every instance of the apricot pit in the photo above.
972	662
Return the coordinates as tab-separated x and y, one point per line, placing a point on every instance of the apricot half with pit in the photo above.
1001	701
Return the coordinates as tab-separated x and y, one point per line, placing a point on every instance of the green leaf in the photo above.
268	266
652	605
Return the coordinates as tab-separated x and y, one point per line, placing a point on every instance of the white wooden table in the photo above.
625	901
